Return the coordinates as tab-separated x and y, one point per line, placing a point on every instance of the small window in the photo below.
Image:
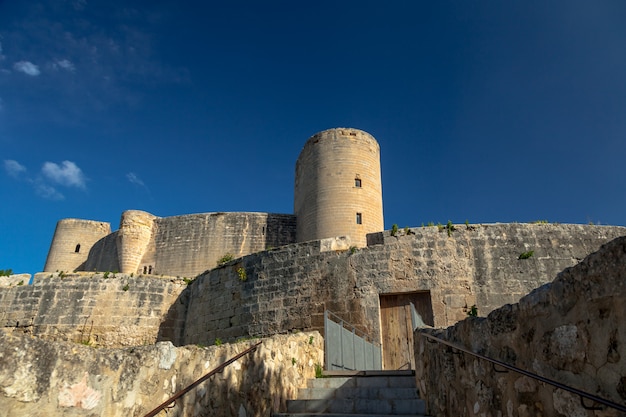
145	270
359	218
150	269
77	250
357	182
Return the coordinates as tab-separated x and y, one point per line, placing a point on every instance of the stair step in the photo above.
356	392
358	406
339	415
372	381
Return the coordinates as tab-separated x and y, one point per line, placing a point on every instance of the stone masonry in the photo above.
570	330
289	288
41	379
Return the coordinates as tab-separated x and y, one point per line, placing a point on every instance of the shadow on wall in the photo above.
172	328
280	230
102	255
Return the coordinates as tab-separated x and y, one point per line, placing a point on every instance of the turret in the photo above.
71	243
338	187
133	238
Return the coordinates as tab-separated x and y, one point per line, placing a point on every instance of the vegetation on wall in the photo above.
241	272
225	259
6	272
526	255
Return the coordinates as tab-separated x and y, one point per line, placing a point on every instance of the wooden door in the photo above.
397	327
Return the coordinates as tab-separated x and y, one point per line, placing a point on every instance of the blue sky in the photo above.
485	111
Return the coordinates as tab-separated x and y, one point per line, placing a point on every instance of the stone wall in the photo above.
571	330
189	245
291	286
182	246
100	309
40	378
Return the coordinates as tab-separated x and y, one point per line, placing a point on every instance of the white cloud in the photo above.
13	168
48	192
27	68
134	179
65	64
67	174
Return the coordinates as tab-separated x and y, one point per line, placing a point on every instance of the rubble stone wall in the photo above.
41	379
571	330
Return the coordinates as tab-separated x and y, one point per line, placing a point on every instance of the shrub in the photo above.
225	259
526	255
242	274
394	229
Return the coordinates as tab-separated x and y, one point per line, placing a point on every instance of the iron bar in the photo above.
202	379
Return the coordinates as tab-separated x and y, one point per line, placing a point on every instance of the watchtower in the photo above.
72	240
338	187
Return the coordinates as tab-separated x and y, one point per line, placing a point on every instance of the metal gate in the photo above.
346	350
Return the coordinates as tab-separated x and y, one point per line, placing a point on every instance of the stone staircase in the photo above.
359	393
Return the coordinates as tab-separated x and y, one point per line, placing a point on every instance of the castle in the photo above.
287	271
338	192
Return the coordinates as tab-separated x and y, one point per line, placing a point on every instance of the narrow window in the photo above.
357	182
263	231
145	270
77	248
359	218
150	269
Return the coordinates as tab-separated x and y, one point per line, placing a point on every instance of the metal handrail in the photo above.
580	393
204	378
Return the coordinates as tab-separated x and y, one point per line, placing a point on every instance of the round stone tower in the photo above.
133	238
71	243
338	190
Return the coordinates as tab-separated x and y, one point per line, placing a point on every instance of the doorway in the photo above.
397	326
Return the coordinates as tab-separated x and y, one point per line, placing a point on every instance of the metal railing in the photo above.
582	394
204	378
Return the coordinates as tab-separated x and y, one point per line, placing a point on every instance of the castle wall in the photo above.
41	379
570	331
102	309
191	244
72	240
337	180
182	246
289	287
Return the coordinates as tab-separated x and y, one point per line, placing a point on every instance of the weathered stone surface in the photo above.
39	378
289	287
14	280
571	330
104	310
